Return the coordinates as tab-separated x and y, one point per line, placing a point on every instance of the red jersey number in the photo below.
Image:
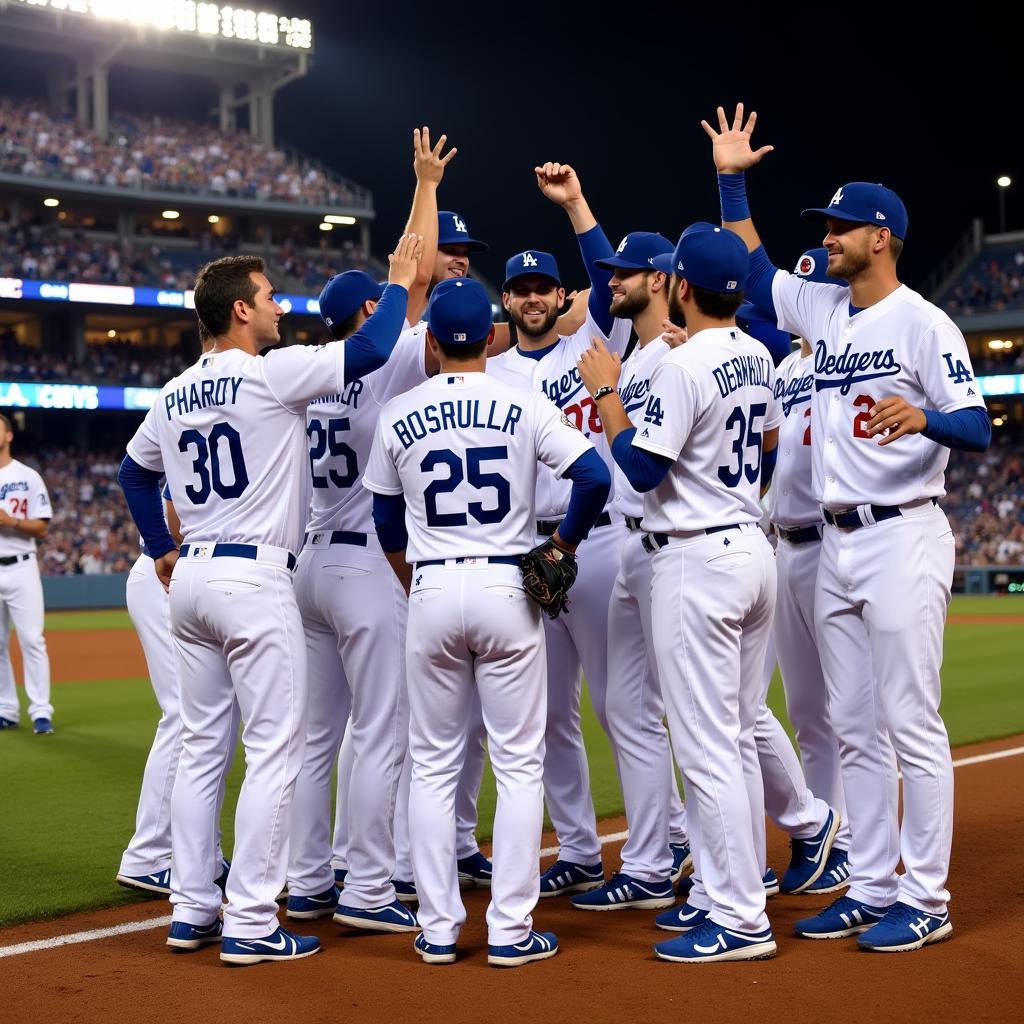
860	422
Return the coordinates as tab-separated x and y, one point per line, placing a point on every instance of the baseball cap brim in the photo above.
821	214
530	273
618	263
471	244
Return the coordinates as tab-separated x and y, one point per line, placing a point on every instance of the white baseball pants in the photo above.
21	602
473	628
880	611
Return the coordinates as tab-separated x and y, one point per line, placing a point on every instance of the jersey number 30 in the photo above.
207	463
472	472
747	437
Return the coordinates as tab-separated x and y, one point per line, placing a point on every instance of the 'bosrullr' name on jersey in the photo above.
431	419
201	395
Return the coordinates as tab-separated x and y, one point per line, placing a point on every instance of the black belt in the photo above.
490	559
633	523
11	559
653	541
850	520
799	534
547	527
342	537
235	551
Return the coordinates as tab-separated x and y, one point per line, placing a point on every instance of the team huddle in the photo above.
400	553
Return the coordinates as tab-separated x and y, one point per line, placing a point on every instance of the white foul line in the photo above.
163	922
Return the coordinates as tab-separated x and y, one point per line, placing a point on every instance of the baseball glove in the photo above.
548	573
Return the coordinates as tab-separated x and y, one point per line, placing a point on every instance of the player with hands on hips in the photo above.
657	850
25	514
230	436
704	442
893	391
452	472
545	360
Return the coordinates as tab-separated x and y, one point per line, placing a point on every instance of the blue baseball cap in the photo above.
459	312
345	293
452	230
813	266
864	203
708	256
637	252
532	261
761	325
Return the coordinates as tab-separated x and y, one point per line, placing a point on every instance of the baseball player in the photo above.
25	515
893	391
545	360
634	706
709	422
229	434
453	475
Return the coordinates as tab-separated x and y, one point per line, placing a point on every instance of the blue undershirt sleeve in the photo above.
969	430
768	461
369	348
141	488
591	483
594	245
389	521
644	470
758	287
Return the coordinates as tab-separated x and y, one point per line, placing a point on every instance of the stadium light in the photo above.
170	215
240	24
51	202
337	218
326	226
1004	182
111	334
213	218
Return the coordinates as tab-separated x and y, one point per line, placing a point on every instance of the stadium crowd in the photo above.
992	284
154	152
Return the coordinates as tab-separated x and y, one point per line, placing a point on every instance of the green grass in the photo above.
69	799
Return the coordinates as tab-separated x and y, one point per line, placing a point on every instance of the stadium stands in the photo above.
991	283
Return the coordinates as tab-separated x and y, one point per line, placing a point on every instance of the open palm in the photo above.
731	147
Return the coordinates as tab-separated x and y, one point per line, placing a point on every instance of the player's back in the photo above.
711	401
231	431
465	447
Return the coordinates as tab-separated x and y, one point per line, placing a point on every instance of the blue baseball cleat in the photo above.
194	936
42	727
711	943
432	953
279	945
564	877
158	883
681	860
390	918
474	871
8	723
405	891
538	946
905	928
771	883
841	918
308	908
836	875
809	856
623	892
681	919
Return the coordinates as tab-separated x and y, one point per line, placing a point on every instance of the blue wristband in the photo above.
732	189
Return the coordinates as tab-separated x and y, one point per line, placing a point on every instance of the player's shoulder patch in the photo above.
568	422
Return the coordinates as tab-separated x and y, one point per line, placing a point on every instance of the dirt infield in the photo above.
605	971
83	656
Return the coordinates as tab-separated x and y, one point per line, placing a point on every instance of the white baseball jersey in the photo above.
790	501
230	435
900	347
710	402
634	385
555	373
464	448
23	495
340	430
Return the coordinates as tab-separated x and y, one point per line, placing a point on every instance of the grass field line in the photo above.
96	934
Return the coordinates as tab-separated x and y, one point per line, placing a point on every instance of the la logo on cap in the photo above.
837	198
460	224
622	244
529	260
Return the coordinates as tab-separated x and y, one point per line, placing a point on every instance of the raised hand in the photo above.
598	367
559	183
405	259
731	143
428	163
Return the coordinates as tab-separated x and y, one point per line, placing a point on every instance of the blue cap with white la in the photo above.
710	257
452	230
533	261
637	251
459	312
864	203
345	293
